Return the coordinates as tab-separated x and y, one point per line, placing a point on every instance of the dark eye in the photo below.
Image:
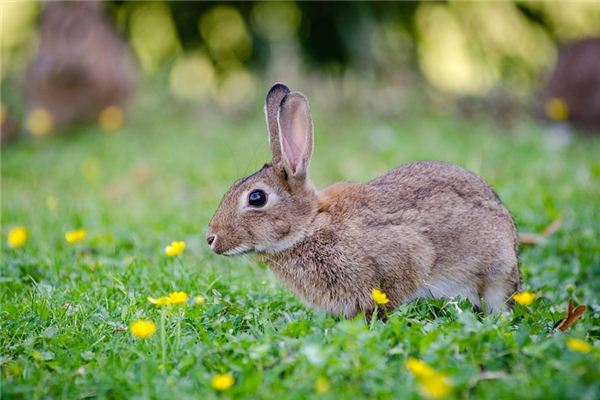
257	198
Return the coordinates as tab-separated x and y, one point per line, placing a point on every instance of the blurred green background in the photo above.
382	58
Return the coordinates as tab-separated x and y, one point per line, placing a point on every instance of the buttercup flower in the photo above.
199	300
222	381
175	249
17	237
419	368
432	384
76	235
524	298
177	297
143	329
578	345
436	386
161	301
380	297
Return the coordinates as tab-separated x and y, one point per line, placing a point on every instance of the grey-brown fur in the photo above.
82	65
426	229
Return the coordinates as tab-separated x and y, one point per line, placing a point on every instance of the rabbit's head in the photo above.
272	209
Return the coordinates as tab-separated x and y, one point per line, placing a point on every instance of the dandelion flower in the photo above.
161	301
199	300
177	297
17	237
379	297
524	298
222	381
142	328
175	249
111	118
76	235
578	345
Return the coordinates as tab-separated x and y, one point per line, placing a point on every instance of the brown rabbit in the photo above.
82	64
426	229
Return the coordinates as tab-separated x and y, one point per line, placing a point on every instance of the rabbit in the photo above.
82	64
424	230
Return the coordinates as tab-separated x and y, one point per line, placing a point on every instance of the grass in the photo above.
66	308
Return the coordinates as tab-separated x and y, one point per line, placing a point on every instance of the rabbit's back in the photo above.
473	235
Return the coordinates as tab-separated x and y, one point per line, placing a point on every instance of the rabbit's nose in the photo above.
210	239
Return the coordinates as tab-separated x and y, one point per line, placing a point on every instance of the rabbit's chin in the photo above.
281	245
241	249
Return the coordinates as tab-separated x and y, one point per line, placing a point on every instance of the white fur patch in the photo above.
446	288
281	245
237	250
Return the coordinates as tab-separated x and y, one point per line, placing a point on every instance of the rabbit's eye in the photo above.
257	198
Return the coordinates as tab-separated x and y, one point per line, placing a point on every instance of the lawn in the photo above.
66	308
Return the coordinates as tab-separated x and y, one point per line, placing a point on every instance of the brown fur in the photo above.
82	65
426	229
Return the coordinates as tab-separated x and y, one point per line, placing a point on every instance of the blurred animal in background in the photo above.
83	70
573	88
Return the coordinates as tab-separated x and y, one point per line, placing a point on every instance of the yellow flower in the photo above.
39	121
177	297
76	235
17	237
111	118
199	300
524	298
142	328
161	301
322	385
175	249
578	345
556	109
419	368
432	384
436	386
222	381
379	297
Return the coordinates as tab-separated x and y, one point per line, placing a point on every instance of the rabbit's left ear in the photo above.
295	134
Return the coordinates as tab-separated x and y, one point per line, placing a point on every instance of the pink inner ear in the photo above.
293	127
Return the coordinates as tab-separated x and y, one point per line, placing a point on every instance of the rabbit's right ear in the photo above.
295	134
276	94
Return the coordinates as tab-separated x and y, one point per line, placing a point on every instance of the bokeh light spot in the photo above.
39	121
192	77
556	109
153	35
224	31
237	89
276	20
111	118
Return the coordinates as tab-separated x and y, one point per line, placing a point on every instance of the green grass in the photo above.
66	308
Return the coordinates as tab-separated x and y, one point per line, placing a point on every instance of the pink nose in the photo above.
210	239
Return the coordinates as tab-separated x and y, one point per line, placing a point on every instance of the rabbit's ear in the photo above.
276	94
296	133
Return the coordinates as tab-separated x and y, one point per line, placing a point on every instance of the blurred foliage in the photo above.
218	51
